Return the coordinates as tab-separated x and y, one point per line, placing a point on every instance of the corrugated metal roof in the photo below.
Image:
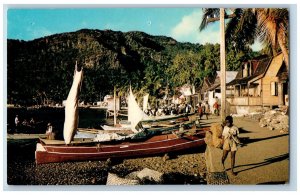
230	75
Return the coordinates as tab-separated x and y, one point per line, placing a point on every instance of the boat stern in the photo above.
38	153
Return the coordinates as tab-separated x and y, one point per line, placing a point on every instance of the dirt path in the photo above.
263	159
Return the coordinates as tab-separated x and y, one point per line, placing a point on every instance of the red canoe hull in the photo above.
159	144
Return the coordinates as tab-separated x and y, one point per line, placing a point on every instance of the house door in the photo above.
285	93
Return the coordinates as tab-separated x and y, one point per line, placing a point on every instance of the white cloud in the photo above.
188	25
188	30
208	36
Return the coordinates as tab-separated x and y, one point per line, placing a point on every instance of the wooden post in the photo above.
223	65
115	113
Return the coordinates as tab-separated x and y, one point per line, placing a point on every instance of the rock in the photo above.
132	175
113	179
150	174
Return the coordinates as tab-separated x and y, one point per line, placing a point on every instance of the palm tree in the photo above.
269	25
272	29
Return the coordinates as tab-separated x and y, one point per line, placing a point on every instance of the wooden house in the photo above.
259	83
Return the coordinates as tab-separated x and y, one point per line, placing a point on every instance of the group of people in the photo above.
203	109
25	122
172	109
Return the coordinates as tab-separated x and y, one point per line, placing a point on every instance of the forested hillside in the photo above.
42	69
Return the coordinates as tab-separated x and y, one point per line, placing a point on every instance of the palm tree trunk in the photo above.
282	44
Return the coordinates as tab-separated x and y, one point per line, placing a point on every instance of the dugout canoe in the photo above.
52	151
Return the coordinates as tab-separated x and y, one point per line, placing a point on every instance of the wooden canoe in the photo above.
50	151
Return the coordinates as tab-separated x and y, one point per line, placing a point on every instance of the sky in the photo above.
180	23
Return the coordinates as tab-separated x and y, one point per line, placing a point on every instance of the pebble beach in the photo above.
176	168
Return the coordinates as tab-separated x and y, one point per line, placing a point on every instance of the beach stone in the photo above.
275	120
150	174
113	179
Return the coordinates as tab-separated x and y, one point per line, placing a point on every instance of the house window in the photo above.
274	88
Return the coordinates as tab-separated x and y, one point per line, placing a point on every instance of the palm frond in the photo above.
208	13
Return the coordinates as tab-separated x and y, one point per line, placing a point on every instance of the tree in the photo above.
272	29
269	25
186	68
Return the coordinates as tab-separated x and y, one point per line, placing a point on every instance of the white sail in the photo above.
71	110
145	102
135	113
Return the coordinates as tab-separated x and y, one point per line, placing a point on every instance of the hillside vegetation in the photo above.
41	70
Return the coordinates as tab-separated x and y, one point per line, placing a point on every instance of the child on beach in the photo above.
230	141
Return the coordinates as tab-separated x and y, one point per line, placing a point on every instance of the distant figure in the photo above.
25	122
230	141
200	111
216	107
207	109
204	111
49	132
17	122
32	122
188	108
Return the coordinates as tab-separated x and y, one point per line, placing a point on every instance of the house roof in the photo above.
259	67
230	75
207	83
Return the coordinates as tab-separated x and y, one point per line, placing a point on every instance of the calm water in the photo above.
88	118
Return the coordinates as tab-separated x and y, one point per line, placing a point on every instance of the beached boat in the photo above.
137	115
50	151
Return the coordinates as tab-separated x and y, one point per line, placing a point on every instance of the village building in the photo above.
259	83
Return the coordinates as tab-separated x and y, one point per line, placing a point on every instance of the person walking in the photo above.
216	107
230	141
200	111
204	110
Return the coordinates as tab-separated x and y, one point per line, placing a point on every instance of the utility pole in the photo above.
115	112
223	65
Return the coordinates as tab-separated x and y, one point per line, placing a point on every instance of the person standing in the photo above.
230	141
204	110
200	110
216	107
17	123
49	132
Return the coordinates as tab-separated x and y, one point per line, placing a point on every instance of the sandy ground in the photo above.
262	159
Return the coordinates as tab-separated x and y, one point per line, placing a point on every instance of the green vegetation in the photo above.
269	25
41	71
